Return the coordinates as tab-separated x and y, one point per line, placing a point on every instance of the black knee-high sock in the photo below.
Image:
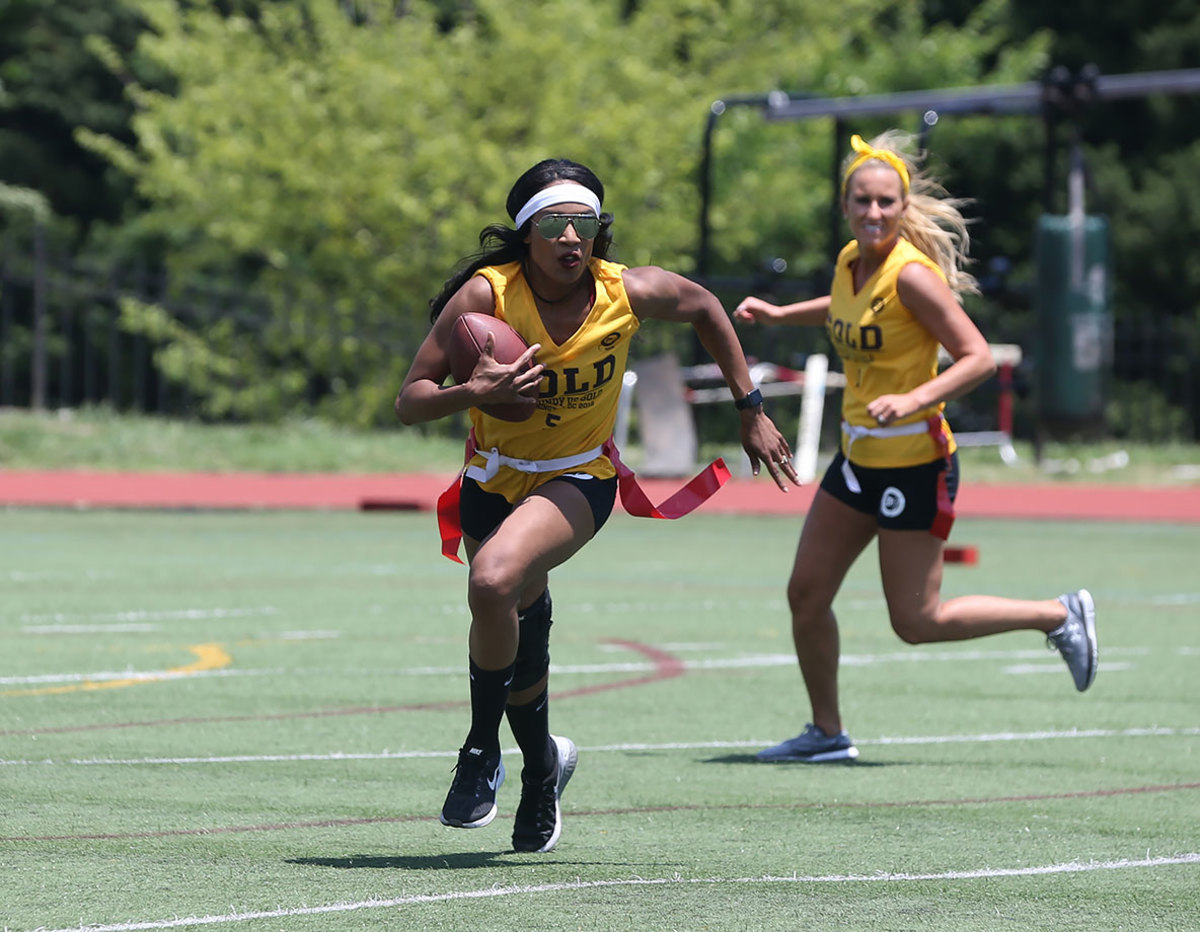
530	722
489	695
530	725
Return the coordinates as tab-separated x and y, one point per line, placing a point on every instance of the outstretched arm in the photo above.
811	313
659	294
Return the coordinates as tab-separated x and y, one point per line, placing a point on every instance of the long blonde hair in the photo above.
934	221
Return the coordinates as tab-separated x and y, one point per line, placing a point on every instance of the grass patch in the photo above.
253	717
99	439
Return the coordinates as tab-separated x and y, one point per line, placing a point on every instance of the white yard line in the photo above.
492	892
332	756
1051	663
107	622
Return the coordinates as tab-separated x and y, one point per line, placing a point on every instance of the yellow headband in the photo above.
866	153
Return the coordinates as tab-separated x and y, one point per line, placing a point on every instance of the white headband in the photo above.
564	193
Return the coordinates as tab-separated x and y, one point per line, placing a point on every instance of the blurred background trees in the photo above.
261	196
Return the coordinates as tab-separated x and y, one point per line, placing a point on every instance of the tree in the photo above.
342	164
53	85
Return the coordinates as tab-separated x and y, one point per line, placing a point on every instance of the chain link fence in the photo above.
64	343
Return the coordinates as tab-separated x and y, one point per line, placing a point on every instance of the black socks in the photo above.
530	725
489	696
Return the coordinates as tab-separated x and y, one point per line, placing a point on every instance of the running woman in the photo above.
536	491
895	297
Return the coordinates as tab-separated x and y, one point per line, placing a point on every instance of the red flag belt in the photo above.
633	498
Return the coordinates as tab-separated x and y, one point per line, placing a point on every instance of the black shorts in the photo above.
481	512
906	498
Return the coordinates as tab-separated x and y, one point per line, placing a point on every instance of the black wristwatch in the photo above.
752	400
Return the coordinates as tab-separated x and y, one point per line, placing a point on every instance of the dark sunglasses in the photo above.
552	226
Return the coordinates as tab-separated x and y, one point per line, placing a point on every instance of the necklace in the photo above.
544	300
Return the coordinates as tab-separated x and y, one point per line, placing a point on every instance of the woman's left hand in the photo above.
763	443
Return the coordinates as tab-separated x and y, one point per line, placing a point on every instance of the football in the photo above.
467	340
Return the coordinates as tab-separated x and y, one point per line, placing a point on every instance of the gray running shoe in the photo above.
1075	638
538	822
811	746
471	802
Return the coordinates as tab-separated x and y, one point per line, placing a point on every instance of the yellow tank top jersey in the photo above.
577	401
884	350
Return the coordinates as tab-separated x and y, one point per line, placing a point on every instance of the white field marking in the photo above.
371	569
185	614
776	606
301	636
922	656
45	678
782	660
1176	598
91	629
224	673
38	576
1053	665
862	602
1023	669
132	676
692	645
876	877
987	738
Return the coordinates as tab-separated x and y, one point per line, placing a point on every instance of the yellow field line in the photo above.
208	657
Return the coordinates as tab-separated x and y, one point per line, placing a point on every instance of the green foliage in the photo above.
52	85
786	171
347	163
333	161
1152	203
26	201
1138	410
1141	154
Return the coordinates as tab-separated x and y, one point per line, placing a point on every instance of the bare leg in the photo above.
910	563
544	530
834	535
511	567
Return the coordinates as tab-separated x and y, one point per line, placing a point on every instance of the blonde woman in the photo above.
895	297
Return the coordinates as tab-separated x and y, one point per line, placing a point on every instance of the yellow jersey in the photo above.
580	388
884	350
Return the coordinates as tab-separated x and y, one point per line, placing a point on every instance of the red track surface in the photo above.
81	489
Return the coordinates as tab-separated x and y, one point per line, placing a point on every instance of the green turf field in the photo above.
248	721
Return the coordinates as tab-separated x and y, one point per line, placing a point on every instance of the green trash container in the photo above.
1075	333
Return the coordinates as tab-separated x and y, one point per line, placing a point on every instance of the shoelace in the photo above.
471	774
1064	642
543	809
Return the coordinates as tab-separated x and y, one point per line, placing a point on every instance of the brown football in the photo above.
467	340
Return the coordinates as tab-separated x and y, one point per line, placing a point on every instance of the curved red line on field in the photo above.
914	803
666	666
391	820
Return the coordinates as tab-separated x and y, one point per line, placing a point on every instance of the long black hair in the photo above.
499	244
